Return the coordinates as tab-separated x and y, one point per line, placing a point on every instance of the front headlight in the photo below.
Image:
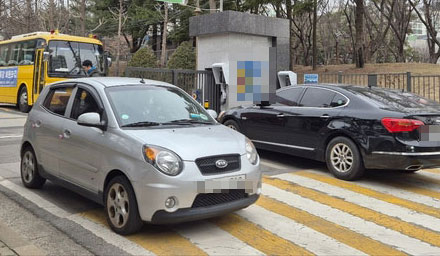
251	152
163	159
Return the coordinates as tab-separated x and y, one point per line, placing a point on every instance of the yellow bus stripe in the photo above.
403	227
422	208
339	233
158	240
259	238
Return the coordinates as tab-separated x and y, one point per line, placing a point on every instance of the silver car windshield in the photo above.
150	105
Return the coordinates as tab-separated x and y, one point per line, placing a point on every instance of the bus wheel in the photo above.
23	100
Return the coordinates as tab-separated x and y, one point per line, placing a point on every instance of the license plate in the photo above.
232	178
430	133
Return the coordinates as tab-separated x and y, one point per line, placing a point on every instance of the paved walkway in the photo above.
5	250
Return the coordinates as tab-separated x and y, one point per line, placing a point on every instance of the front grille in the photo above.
209	199
207	164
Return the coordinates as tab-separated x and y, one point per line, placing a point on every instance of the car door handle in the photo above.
280	115
67	133
325	116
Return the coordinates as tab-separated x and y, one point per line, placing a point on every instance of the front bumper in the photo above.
153	188
191	214
402	160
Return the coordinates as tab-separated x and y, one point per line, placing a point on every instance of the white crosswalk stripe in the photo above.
267	222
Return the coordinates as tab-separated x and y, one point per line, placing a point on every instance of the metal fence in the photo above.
424	85
199	83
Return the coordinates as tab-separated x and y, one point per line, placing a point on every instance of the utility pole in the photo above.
315	14
164	36
118	51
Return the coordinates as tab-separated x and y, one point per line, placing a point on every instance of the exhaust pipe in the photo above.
414	167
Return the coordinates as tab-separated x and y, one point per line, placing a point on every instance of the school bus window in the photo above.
4	49
15	54
27	54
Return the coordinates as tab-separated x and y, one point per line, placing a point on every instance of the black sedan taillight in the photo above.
394	125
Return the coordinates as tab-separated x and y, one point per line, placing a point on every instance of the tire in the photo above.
22	101
30	175
344	159
115	206
232	124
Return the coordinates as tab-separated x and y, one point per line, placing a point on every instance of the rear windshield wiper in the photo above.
186	122
141	124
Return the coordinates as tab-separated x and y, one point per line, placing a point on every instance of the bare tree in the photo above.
429	15
359	26
164	36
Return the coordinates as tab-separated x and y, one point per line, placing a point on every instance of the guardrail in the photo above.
424	85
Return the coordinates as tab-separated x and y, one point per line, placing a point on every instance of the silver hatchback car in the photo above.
144	149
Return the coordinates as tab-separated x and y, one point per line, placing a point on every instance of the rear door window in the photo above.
289	97
57	100
317	97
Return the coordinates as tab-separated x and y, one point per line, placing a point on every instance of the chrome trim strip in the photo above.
407	153
283	145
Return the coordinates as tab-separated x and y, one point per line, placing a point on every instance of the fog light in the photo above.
170	202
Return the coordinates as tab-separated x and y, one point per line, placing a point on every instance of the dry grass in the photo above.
414	68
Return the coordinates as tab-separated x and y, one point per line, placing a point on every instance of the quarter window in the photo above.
316	97
289	97
338	100
57	100
84	102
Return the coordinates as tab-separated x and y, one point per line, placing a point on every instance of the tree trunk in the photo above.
154	38
212	6
289	17
118	50
83	16
164	37
359	25
29	16
51	14
314	49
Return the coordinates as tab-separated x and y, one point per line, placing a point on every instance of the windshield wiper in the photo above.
186	122
141	124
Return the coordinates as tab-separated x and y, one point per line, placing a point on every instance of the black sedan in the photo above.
351	128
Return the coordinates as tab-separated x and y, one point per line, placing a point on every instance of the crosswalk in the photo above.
311	213
305	212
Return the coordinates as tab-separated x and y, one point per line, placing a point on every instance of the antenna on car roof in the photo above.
142	80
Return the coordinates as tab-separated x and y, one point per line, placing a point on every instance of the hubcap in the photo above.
23	98
341	157
117	205
28	167
232	127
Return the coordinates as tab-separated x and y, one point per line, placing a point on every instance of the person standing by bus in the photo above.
90	69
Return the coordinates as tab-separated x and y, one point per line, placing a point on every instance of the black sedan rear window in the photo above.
395	98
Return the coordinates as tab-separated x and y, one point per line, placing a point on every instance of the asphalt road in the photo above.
303	210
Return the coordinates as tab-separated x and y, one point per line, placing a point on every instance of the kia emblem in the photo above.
221	163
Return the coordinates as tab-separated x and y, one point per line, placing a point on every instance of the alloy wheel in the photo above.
118	205
23	98
28	167
341	157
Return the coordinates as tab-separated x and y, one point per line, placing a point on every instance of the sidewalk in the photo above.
6	251
12	244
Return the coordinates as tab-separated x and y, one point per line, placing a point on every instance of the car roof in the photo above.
115	81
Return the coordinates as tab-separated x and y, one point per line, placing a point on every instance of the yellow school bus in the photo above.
29	62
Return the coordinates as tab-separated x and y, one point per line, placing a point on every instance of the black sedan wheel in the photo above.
343	159
233	125
121	207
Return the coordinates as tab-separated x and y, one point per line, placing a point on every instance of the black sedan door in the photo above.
267	124
309	122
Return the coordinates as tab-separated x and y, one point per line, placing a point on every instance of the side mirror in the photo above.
46	56
91	119
212	113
